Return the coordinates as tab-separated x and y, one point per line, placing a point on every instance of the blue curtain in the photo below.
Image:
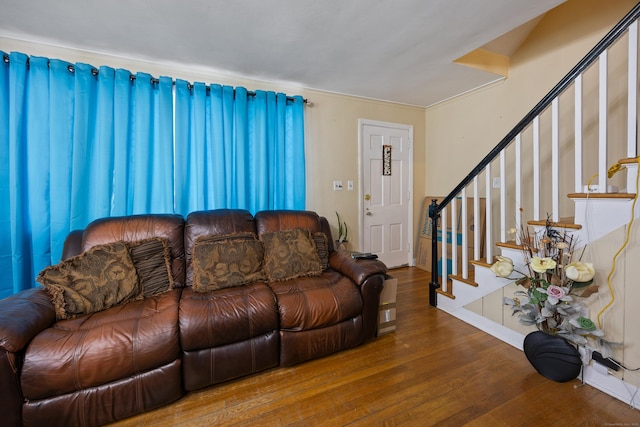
79	143
236	149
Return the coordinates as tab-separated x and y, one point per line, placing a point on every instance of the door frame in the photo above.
409	218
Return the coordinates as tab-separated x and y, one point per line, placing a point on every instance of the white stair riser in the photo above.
599	217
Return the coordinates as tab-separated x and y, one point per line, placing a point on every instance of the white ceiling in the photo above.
400	50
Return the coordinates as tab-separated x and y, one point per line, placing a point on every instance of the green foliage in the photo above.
343	230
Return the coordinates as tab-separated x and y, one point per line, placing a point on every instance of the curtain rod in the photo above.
132	77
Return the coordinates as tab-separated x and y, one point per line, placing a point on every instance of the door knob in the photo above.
369	213
367	197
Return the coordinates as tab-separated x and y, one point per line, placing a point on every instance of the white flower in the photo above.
580	271
541	265
503	267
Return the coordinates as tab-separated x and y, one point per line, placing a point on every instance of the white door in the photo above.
386	213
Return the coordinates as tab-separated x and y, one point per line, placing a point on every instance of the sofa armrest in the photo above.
23	316
357	270
369	276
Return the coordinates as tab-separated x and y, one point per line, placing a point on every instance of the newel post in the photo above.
434	284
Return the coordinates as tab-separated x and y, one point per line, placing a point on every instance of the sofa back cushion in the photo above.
137	228
212	223
279	220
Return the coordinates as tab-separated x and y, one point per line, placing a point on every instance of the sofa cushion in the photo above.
121	342
316	302
290	254
102	277
152	259
226	316
226	261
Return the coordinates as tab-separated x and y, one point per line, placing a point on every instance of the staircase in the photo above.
558	164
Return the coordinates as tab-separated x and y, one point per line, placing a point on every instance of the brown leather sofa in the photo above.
101	367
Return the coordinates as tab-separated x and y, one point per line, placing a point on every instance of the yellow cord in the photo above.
614	169
624	245
590	181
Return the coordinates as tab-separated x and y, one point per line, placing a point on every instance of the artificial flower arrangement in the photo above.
554	288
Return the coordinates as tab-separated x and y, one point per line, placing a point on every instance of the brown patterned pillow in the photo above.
322	246
102	277
290	254
226	262
152	259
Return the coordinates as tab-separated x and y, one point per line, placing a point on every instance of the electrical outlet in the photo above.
496	182
593	188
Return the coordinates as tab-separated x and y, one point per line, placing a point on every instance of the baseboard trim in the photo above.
489	326
609	384
613	386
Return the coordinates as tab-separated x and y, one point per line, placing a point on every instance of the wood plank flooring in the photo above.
434	370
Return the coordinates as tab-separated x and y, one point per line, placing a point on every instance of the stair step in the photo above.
446	294
628	161
563	223
482	262
510	244
461	279
628	196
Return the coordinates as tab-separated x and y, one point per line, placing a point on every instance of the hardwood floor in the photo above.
434	370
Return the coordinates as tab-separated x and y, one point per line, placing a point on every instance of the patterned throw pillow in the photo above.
152	259
290	254
226	261
102	277
322	246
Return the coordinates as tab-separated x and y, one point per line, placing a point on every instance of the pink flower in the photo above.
556	292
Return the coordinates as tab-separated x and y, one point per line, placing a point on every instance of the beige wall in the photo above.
465	129
331	128
332	151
